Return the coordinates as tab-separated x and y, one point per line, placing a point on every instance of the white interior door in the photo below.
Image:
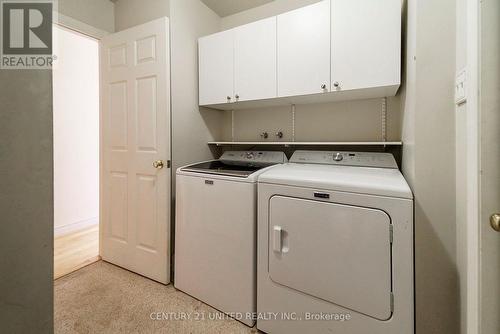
490	170
366	43
304	50
135	230
255	60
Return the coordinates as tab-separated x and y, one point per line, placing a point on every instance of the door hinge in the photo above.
391	233
168	164
392	302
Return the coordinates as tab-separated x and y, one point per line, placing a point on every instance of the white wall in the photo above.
129	13
96	13
26	206
76	130
429	161
409	91
461	177
192	127
341	121
270	9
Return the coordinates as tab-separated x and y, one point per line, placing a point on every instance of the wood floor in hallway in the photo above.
75	250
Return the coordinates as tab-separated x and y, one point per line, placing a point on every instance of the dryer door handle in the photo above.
277	239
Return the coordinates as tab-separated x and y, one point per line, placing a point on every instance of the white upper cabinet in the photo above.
216	68
366	44
255	60
304	50
332	50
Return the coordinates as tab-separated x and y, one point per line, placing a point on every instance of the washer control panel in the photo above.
360	159
253	158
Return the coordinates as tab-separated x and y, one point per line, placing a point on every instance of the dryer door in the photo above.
335	252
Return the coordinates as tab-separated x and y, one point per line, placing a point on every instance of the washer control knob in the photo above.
338	157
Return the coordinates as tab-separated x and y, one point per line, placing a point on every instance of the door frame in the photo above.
78	26
98	34
473	30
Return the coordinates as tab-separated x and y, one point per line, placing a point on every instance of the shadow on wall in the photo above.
428	124
436	280
216	127
26	202
354	120
212	120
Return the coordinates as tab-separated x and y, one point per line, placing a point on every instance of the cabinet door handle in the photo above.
336	84
228	98
237	96
323	86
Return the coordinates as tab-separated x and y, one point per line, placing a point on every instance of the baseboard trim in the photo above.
77	226
80	266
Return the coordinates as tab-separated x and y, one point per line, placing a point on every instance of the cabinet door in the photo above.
216	68
366	43
255	60
304	50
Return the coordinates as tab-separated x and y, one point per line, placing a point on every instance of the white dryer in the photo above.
335	245
216	230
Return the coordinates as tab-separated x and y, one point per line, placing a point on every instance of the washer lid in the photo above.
365	180
220	168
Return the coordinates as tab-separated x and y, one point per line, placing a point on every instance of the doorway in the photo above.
76	150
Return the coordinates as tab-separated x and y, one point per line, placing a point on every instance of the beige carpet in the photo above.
103	298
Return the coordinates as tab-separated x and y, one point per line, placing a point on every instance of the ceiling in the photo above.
229	7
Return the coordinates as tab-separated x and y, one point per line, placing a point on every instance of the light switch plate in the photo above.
460	87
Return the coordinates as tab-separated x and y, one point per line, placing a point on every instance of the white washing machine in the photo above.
215	231
335	245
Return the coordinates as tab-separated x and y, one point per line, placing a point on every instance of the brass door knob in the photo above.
158	164
495	221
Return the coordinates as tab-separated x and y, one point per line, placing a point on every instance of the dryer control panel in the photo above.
360	159
253	158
